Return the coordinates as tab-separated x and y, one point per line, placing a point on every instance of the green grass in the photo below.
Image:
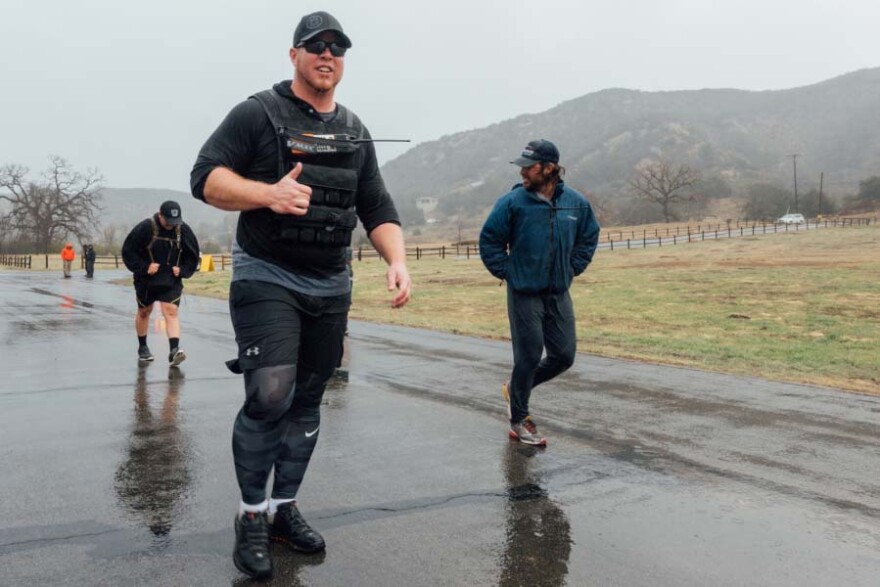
801	307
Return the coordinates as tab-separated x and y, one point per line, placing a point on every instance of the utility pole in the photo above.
459	224
821	180
794	162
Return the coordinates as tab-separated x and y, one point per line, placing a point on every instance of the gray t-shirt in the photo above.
251	268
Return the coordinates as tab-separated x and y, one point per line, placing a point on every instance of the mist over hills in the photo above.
128	206
740	136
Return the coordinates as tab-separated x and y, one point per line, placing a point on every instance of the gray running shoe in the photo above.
527	433
176	357
144	354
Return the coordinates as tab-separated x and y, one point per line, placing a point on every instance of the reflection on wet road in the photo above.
153	479
538	539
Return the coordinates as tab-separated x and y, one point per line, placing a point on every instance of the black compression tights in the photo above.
277	426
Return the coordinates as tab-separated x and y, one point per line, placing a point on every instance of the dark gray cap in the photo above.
316	23
170	211
539	151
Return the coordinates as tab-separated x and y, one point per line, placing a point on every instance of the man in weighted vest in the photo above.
161	252
301	169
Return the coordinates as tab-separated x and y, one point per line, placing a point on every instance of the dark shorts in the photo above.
147	295
277	326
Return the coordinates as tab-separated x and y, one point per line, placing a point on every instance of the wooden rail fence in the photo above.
609	240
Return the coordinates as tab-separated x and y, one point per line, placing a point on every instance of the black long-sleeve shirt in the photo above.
137	253
246	143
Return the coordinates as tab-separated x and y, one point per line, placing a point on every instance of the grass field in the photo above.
801	307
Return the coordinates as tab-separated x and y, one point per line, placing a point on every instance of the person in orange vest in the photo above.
67	257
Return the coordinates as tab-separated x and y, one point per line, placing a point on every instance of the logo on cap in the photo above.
314	21
174	213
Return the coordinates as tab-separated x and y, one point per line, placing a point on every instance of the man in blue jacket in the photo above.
539	236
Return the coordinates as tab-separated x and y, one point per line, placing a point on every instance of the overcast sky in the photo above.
134	88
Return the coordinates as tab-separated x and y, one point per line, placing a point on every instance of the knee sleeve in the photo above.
269	391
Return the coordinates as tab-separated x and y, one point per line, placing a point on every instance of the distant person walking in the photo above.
161	252
89	256
538	237
67	257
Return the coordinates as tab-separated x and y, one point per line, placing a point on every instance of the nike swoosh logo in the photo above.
312	433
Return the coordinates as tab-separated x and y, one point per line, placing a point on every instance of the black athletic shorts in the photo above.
277	326
147	295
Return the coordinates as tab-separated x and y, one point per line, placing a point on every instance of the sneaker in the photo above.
527	433
144	354
176	357
251	554
291	529
505	391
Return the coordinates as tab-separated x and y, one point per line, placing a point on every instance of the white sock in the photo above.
254	509
274	503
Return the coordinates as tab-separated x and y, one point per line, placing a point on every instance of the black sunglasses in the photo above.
317	48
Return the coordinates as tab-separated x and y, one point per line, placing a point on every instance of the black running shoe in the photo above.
176	357
251	554
144	354
291	529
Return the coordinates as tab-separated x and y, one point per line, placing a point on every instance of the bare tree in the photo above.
61	203
660	182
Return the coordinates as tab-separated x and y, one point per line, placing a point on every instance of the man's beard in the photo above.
536	187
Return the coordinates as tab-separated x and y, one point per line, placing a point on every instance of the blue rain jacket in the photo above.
539	246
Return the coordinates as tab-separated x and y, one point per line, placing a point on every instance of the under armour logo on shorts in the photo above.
254	350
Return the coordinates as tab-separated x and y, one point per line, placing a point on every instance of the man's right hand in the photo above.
288	196
152	269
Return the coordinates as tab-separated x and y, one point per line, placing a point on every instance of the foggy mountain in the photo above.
741	136
128	206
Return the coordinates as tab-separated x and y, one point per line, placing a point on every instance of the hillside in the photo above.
128	206
740	136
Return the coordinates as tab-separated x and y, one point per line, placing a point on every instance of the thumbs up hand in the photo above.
288	196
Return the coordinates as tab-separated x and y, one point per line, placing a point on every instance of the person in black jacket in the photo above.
89	256
161	252
301	169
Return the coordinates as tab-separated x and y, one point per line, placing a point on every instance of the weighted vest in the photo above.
172	243
316	241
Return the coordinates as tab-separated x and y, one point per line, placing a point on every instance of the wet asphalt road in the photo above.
115	475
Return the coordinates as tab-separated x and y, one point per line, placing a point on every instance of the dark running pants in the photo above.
288	347
538	322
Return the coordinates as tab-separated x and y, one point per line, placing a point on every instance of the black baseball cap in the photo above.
316	23
539	151
170	211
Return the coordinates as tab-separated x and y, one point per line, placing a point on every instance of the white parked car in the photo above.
792	219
